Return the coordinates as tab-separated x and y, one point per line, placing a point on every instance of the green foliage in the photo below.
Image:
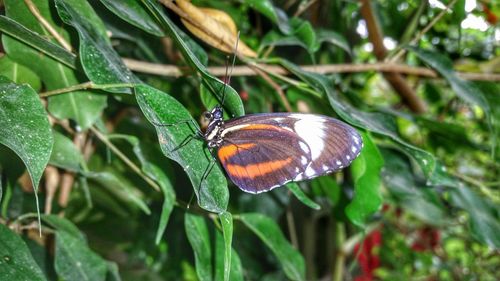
134	193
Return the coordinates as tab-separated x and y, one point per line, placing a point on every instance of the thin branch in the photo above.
243	70
85	86
34	10
303	8
124	158
423	31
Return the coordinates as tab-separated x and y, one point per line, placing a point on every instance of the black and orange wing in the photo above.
264	151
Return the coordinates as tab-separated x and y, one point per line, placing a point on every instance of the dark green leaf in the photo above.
273	13
159	176
82	106
464	89
366	175
301	196
113	273
34	40
269	232
484	222
74	261
134	13
64	153
24	127
402	185
226	220
18	73
236	272
333	38
62	224
197	234
305	32
232	102
100	62
16	262
178	142
120	187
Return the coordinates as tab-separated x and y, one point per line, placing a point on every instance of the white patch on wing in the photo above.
356	140
233	128
325	168
299	177
310	172
353	148
303	160
311	129
297	169
304	147
348	157
338	162
279	119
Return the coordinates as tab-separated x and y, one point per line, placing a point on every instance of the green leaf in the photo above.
16	262
157	175
333	38
269	232
197	234
305	33
120	188
24	127
366	175
177	142
464	89
113	272
34	40
82	106
74	261
232	102
402	185
236	272
62	224
100	62
18	73
273	13
134	13
483	216
377	122
64	153
301	196
226	221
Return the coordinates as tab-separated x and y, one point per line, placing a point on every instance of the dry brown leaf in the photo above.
223	30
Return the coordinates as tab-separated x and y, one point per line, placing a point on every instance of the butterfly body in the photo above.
262	151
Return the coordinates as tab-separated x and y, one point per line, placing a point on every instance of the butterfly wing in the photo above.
264	151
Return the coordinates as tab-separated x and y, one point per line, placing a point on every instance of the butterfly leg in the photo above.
205	174
190	122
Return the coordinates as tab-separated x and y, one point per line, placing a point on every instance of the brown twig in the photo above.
243	70
408	96
52	180
51	30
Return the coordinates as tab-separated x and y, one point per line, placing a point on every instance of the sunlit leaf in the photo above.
100	62
367	184
24	127
226	221
64	153
273	13
18	73
302	197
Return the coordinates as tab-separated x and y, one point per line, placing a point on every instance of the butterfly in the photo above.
260	152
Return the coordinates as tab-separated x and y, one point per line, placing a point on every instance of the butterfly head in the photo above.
215	124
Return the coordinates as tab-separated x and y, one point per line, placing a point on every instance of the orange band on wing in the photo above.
260	127
254	170
227	151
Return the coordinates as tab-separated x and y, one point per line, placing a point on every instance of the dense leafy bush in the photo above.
101	178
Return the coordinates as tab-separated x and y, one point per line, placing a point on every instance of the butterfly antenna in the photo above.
228	77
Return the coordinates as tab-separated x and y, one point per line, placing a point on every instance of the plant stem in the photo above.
85	86
338	267
124	158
